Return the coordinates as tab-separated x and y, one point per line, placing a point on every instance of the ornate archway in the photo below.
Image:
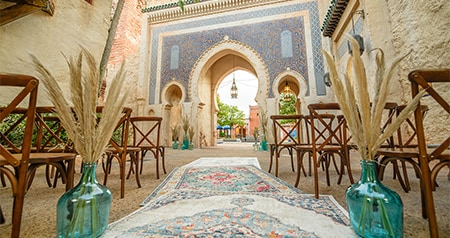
208	71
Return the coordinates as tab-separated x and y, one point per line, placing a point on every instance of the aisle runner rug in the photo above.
235	201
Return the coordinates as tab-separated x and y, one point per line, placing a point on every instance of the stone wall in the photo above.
422	27
417	27
75	24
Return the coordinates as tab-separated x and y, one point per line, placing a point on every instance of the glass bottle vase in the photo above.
185	144
84	210
175	145
374	209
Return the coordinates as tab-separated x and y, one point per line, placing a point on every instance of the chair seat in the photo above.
40	158
409	153
130	149
325	148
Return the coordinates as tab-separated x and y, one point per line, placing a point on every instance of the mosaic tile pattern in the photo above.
264	37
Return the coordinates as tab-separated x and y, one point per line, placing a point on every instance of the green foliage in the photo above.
229	115
287	108
181	3
15	135
222	134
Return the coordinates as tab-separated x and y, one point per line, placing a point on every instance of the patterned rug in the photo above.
231	201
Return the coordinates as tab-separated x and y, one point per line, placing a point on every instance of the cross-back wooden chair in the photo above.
326	135
286	133
440	153
119	149
51	138
403	150
146	136
14	165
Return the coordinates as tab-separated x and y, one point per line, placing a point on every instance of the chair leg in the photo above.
162	153
2	178
292	159
122	163
272	148
428	210
299	164
2	218
136	157
19	201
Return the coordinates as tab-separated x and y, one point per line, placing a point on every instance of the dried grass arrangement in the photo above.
185	124
175	133
78	115
363	112
191	134
263	119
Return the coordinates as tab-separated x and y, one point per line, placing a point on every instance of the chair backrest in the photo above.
26	97
406	134
24	101
428	80
327	127
390	111
51	135
287	129
121	134
146	131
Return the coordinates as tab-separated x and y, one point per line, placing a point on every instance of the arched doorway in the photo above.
209	71
296	83
172	96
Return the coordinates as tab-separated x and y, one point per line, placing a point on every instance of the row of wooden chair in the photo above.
145	133
19	159
43	142
322	136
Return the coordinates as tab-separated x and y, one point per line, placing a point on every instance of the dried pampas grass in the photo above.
79	117
362	112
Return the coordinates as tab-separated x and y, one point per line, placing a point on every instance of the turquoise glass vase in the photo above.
263	145
185	144
374	209
175	145
84	210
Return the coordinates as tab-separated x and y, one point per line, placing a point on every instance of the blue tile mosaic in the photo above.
264	37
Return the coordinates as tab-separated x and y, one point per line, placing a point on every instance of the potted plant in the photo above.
375	210
191	138
84	210
185	144
175	133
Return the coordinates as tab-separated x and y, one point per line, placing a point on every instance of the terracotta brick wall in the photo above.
253	119
128	33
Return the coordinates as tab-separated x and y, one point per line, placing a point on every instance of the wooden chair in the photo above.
326	135
403	149
64	162
286	137
19	161
146	136
120	149
51	138
440	154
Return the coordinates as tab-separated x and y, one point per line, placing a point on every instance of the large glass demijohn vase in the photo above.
374	209
84	210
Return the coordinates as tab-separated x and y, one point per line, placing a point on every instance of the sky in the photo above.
247	85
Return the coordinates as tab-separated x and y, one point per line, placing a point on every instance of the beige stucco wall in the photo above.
399	27
74	24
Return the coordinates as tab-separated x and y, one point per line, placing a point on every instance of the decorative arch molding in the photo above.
227	46
300	80
167	92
